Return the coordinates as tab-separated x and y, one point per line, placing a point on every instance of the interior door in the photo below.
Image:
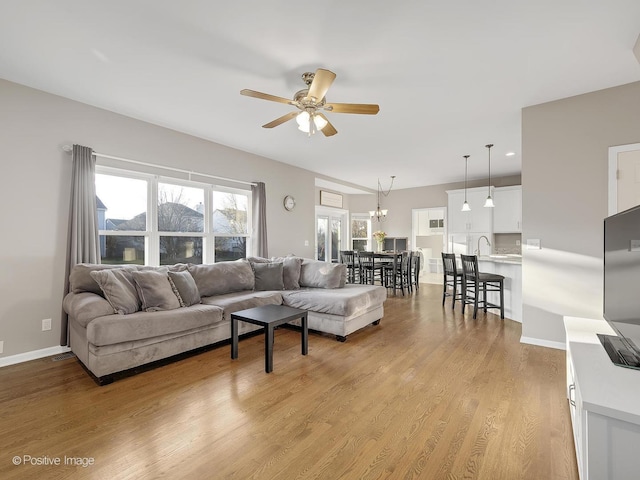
624	177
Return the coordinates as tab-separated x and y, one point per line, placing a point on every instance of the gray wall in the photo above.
35	197
564	186
401	202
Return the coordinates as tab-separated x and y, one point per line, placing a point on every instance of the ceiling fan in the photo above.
311	101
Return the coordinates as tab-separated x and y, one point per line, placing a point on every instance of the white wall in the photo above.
564	198
35	197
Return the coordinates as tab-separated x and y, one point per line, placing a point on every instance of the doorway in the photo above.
624	177
428	227
330	234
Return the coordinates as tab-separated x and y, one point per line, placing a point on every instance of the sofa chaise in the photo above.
124	316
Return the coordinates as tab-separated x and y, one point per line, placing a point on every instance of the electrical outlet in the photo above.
517	243
46	324
1	346
306	243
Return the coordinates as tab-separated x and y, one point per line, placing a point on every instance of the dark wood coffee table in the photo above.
269	317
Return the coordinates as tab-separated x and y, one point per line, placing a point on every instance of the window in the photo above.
230	224
180	212
150	220
122	218
360	232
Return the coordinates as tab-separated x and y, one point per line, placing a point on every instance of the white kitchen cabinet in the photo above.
507	215
603	401
478	220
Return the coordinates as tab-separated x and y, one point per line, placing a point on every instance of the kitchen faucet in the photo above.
480	238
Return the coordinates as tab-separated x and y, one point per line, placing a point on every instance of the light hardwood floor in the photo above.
427	394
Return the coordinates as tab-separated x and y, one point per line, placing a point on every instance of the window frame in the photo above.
361	217
152	235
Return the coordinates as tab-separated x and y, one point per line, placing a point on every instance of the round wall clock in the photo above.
289	202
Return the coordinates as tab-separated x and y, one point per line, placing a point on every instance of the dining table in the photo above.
394	258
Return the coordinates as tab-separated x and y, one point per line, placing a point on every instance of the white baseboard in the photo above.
543	343
34	355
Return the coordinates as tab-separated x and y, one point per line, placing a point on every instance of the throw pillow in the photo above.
119	289
253	260
186	288
268	276
155	290
81	280
317	274
291	271
223	277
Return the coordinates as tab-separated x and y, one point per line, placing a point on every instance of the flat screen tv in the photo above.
622	287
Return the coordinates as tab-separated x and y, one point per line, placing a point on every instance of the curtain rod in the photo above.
69	149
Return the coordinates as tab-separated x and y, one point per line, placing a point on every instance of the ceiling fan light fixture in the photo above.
311	101
304	122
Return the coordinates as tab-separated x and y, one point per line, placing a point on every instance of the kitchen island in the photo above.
510	267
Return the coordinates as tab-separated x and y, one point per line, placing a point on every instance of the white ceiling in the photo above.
449	77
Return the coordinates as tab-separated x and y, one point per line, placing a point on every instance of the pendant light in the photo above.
379	213
465	205
489	201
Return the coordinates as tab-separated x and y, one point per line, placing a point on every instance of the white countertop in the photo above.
507	258
605	388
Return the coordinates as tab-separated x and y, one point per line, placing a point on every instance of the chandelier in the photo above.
380	214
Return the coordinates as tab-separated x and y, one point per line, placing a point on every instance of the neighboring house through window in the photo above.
150	220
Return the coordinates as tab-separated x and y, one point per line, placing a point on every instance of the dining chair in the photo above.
477	284
414	271
396	272
452	279
348	257
370	269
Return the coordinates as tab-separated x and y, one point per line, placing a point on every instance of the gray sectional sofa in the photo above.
122	317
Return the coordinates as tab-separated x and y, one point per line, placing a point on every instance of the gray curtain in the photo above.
83	242
259	210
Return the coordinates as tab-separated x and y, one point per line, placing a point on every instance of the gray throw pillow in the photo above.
119	289
81	280
317	274
268	276
223	277
291	271
186	288
253	260
155	290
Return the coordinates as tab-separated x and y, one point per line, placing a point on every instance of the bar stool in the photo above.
475	283
452	279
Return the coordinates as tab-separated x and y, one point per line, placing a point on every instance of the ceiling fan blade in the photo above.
281	120
361	108
265	96
322	80
328	130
